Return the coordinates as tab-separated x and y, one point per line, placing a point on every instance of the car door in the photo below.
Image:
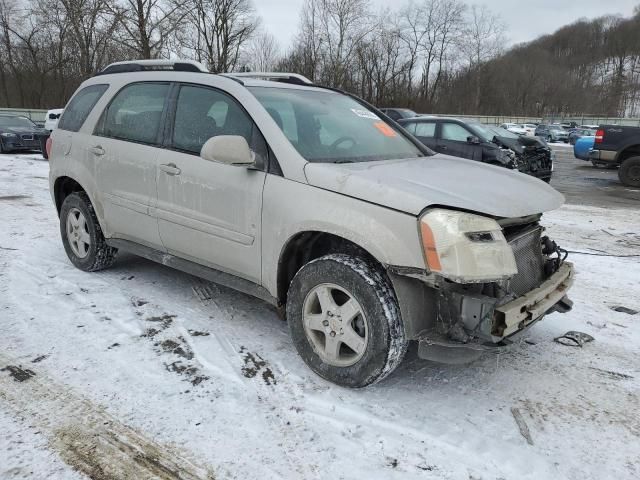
453	141
209	212
126	145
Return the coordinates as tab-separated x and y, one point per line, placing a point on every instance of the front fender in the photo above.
290	208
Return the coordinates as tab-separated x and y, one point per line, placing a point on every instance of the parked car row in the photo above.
484	143
552	133
578	133
20	134
520	128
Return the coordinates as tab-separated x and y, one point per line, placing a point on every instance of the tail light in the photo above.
48	146
599	136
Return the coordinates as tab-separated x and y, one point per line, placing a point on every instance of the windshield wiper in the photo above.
343	160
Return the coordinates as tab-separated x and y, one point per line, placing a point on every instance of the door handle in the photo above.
98	150
170	168
443	147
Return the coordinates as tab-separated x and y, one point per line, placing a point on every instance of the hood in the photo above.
22	130
519	144
412	185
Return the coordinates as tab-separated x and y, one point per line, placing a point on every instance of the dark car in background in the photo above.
552	133
577	133
398	113
484	143
19	134
614	146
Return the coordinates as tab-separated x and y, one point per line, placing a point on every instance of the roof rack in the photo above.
294	78
153	65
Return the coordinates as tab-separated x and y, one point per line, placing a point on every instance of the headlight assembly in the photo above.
8	135
465	248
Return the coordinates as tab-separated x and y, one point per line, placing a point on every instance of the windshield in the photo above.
16	122
329	127
556	128
486	133
406	113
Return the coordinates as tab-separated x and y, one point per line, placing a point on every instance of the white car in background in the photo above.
514	128
51	120
530	128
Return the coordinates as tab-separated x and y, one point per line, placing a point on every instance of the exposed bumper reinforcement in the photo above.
518	313
510	321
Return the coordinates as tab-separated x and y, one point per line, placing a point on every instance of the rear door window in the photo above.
80	106
135	113
410	127
426	129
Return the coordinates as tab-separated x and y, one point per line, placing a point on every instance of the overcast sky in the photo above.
526	19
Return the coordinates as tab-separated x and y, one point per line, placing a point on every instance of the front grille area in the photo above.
527	250
538	159
27	137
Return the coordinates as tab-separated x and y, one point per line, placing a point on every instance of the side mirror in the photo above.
473	140
228	149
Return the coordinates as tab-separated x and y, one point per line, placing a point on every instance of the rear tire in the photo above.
82	236
43	149
321	300
629	172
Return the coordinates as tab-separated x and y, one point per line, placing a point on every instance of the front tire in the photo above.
345	320
82	236
629	172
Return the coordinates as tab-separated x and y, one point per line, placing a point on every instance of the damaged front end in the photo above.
530	155
471	314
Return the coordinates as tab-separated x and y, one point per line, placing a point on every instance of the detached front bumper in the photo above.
481	323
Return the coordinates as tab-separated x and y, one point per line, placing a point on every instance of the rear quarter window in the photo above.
80	106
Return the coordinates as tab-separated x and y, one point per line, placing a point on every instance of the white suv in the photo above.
312	200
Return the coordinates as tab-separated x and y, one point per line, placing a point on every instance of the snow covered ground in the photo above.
144	372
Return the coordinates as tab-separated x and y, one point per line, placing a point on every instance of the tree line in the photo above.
438	56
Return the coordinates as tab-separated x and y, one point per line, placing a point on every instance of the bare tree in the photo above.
263	53
443	24
482	39
147	24
342	24
218	30
90	31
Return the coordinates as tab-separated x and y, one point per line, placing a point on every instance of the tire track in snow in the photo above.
87	437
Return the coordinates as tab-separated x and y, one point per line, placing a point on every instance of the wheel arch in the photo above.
305	246
65	185
628	152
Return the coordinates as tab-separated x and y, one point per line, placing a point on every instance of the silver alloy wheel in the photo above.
78	233
335	325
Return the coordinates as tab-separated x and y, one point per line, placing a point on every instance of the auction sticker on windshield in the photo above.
365	114
385	129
